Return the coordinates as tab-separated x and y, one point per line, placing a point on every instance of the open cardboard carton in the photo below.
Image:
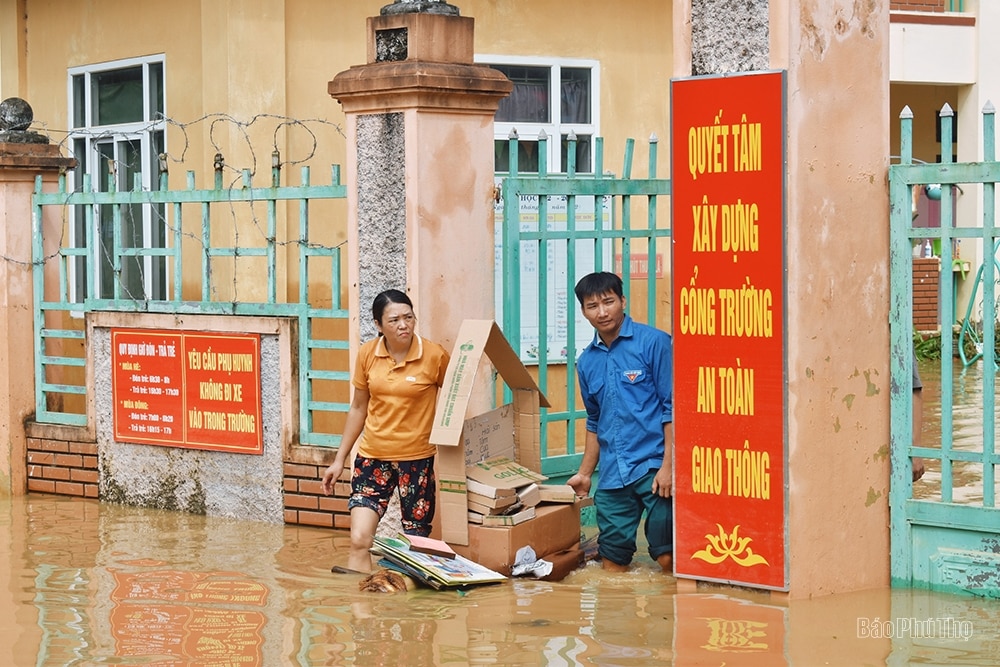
511	430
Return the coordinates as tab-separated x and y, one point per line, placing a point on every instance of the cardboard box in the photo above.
479	341
555	528
495	520
485	509
564	562
529	495
489	434
499	502
556	493
501	472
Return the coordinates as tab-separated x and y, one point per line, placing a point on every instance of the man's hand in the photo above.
918	467
580	484
663	483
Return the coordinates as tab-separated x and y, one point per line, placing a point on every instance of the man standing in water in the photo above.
626	377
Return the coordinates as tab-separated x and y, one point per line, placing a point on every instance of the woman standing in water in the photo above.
396	380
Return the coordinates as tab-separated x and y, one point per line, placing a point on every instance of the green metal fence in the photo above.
557	227
143	274
944	543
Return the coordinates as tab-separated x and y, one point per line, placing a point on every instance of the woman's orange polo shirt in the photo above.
403	397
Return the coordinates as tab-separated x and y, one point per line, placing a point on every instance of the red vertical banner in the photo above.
728	184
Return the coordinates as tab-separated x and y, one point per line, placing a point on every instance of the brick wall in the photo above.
63	460
926	275
917	5
305	502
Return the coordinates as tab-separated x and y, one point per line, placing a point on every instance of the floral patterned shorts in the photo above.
374	480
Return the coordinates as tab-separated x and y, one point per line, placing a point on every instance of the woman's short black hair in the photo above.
384	299
595	284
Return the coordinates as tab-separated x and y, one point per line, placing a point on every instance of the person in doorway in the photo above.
626	377
396	381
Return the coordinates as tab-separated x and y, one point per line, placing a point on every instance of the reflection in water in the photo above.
84	583
967	432
198	617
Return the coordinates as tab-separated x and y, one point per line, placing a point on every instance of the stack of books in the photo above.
432	562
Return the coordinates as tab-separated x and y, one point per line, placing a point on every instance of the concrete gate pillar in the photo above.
22	159
836	54
420	173
420	168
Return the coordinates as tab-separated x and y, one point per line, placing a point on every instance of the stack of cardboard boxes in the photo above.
501	492
490	462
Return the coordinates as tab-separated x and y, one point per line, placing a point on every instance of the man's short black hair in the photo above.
595	284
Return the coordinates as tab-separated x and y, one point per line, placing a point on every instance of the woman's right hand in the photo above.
331	476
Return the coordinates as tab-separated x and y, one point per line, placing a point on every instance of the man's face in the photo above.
605	312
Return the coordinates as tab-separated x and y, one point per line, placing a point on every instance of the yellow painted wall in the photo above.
251	57
244	63
925	102
252	61
12	77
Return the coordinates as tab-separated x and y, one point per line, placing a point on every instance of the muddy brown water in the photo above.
89	583
967	432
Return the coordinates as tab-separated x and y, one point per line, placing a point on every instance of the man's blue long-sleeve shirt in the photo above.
627	391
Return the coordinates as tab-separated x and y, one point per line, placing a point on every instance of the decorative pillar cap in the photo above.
420	7
16	116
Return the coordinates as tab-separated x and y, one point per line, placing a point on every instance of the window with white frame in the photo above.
556	95
117	112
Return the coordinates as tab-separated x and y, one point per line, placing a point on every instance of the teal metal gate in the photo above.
944	543
557	227
109	264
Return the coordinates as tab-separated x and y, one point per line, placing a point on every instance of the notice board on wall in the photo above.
188	389
728	180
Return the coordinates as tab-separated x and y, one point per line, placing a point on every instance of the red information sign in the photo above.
187	389
728	176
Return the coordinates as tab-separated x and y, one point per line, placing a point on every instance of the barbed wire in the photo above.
220	125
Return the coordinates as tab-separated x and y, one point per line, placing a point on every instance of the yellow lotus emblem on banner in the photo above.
723	546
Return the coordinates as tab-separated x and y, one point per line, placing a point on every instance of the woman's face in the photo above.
397	325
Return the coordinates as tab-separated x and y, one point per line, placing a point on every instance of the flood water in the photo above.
967	432
88	583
